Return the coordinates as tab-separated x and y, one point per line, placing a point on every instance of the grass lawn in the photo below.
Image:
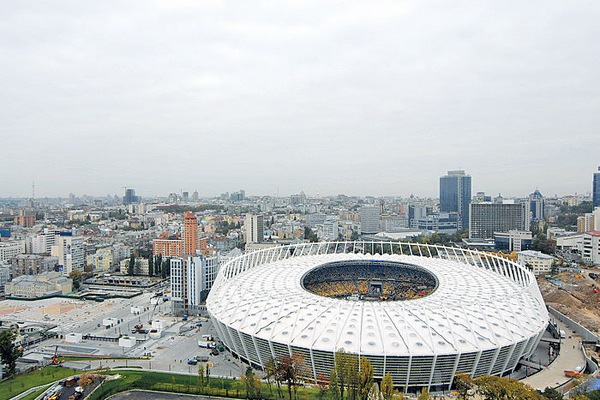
187	384
32	396
21	383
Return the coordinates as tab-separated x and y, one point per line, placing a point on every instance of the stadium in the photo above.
423	313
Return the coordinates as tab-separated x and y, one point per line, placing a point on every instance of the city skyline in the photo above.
363	99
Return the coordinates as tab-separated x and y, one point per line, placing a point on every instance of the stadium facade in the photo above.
485	314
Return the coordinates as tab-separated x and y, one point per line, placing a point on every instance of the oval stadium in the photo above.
423	313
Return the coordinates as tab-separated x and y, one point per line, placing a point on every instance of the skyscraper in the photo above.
536	203
487	218
455	195
369	219
190	233
596	188
254	228
130	197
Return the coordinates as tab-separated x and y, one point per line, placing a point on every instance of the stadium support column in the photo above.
510	354
494	361
472	374
432	370
454	369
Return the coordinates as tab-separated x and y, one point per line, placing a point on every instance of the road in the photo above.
569	358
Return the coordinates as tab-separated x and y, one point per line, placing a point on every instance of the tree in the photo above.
271	374
353	376
165	269
552	394
341	361
251	383
200	375
151	265
463	383
76	276
131	267
157	264
498	388
365	378
424	394
555	267
310	235
334	388
9	353
387	387
354	235
322	385
289	370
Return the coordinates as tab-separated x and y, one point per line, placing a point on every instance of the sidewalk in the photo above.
569	358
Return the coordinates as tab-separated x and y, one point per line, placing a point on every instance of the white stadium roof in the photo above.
472	309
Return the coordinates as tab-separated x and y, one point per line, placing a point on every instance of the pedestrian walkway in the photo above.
569	358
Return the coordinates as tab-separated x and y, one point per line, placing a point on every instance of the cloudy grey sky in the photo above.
363	98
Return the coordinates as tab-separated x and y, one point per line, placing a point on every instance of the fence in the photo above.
580	330
480	259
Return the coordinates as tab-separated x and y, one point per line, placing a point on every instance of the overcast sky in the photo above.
362	98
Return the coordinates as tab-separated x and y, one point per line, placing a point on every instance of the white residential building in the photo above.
254	228
591	247
70	253
191	279
539	262
330	230
10	249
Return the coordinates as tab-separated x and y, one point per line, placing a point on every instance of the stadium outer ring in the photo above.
486	314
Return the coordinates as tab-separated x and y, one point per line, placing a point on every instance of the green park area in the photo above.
20	383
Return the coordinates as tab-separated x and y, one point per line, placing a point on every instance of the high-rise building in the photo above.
70	252
330	229
297	199
369	219
167	246
254	228
195	196
596	188
190	233
130	197
487	218
238	196
536	203
191	279
455	195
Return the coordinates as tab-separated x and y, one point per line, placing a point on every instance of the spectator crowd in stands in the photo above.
358	278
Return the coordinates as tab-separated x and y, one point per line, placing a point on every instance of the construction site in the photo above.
576	294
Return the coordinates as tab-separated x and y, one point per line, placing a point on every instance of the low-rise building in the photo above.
42	285
32	264
11	249
538	262
102	260
513	240
142	266
569	241
591	247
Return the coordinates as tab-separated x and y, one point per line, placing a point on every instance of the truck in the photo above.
206	344
571	374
